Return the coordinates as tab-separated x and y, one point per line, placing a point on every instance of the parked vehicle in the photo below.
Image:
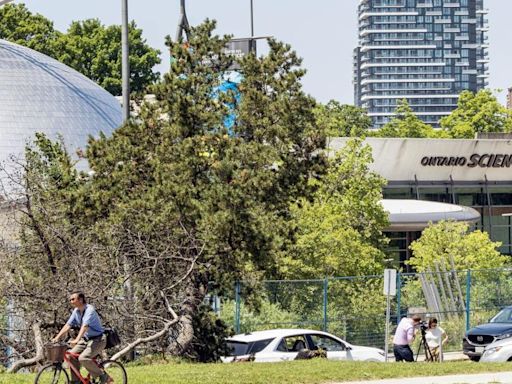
498	352
480	337
285	344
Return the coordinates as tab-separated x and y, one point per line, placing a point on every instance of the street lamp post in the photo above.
252	21
253	42
125	61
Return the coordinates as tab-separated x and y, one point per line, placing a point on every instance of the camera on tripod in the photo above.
423	325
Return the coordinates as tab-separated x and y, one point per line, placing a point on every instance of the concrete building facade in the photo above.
468	173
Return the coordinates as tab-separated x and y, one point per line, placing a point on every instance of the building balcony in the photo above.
408	45
366	15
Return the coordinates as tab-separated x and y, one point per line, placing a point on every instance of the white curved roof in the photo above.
40	94
415	215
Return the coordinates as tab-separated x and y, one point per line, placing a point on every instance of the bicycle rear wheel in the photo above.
52	374
115	370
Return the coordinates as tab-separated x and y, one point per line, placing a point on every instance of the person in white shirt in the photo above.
436	337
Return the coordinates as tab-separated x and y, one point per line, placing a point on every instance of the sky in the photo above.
323	32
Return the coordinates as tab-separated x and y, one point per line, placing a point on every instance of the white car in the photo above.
285	344
498	351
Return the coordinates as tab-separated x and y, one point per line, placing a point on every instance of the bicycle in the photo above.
55	373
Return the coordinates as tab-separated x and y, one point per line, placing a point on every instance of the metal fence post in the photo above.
398	297
237	307
326	285
468	298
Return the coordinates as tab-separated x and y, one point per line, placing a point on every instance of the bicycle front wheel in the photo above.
52	374
116	371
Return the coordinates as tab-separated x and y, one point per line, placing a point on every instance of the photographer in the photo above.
436	337
404	335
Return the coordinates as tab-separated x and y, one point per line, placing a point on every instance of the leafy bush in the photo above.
267	316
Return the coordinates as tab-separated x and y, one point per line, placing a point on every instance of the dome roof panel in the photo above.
40	94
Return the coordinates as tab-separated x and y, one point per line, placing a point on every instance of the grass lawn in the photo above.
303	372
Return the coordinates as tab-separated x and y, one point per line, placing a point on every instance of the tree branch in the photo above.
153	337
36	328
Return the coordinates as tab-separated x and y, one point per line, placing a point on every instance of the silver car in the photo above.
498	351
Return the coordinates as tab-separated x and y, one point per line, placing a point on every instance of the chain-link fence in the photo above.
354	308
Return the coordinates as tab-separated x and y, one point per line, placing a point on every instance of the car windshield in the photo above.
503	316
239	348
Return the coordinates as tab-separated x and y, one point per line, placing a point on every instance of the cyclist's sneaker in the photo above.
105	379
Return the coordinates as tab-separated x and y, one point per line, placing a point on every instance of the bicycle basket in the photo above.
55	352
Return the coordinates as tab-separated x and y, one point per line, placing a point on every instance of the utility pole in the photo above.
183	25
253	42
125	61
252	20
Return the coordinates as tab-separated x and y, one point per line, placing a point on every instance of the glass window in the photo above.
441	195
327	343
237	348
504	316
259	345
399	193
292	344
470	197
501	197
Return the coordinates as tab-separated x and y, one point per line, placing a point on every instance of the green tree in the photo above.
94	50
250	320
477	113
217	199
20	26
339	232
88	46
174	204
342	120
406	124
448	239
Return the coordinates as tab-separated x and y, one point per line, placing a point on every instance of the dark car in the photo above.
477	338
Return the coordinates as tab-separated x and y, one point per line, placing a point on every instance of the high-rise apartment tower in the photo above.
425	51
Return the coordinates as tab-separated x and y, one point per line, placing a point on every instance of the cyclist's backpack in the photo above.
113	339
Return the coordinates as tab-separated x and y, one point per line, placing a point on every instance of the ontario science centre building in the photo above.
430	180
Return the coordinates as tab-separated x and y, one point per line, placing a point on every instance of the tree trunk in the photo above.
195	296
36	328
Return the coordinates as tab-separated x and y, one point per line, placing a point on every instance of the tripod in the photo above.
423	343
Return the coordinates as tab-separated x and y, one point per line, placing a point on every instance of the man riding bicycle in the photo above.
90	340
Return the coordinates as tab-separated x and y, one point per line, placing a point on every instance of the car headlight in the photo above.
382	353
490	351
505	336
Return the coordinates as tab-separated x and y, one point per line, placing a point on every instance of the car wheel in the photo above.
474	358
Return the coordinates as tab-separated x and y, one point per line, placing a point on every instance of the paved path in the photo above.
481	378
